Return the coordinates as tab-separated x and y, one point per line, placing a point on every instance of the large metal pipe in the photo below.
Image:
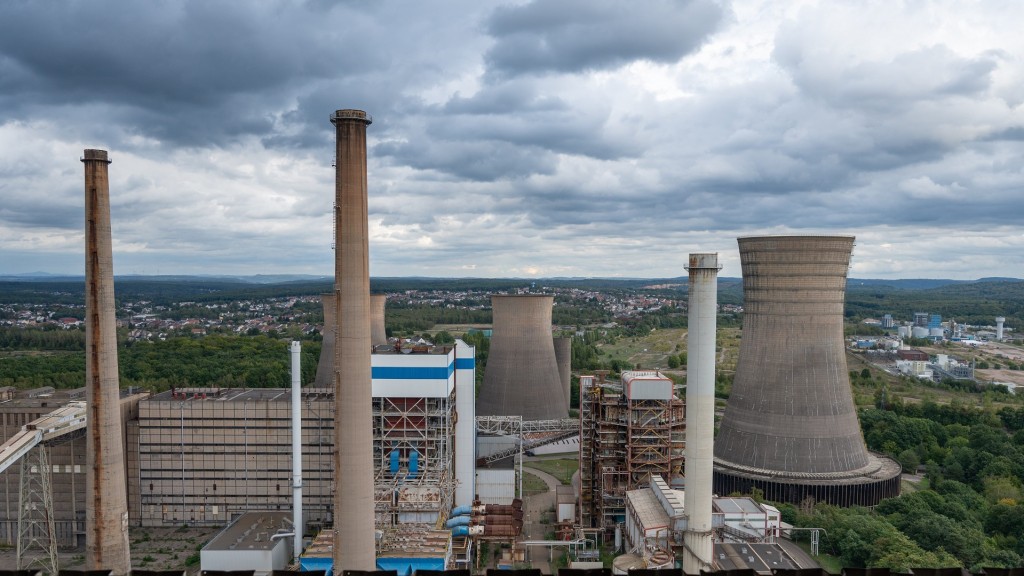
354	546
522	375
106	506
700	411
378	334
563	357
297	446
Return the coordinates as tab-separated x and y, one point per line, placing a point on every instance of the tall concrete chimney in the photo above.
999	327
563	357
378	335
325	366
790	427
354	544
106	505
522	374
700	411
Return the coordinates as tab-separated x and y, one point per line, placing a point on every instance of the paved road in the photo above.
534	508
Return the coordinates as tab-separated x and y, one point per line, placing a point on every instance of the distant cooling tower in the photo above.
325	367
378	335
790	426
563	357
522	375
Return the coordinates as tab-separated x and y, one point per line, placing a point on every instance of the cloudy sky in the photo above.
536	138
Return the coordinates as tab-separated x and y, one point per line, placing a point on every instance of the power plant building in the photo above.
522	376
630	432
205	456
790	427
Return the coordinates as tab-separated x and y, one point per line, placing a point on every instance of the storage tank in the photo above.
623	564
935	332
903	332
919	332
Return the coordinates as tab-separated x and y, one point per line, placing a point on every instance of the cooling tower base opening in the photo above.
865	487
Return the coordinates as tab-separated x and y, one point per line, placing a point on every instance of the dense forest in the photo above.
969	508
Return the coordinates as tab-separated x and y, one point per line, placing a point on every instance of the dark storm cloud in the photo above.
182	72
578	35
479	160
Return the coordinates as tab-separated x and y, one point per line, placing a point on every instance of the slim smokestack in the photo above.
378	335
522	375
106	506
563	357
353	491
297	446
325	366
700	411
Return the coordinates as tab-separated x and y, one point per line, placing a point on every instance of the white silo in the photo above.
999	327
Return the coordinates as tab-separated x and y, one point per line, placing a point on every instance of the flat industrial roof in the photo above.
252	531
737	506
648	509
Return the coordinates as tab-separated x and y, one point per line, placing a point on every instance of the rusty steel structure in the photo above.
378	335
354	546
563	358
790	426
629	431
522	376
106	503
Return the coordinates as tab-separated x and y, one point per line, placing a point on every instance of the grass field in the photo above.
561	468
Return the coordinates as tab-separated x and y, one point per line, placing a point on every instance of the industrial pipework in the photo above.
700	411
354	544
296	350
106	506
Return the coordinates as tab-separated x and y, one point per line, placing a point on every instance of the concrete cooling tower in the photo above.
563	357
378	335
522	376
325	366
790	426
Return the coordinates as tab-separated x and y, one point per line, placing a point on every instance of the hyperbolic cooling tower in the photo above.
522	375
325	366
378	335
790	426
354	547
106	501
563	357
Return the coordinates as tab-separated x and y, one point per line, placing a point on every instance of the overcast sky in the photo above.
539	138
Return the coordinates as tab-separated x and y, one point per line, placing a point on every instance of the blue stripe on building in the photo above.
465	363
412	372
